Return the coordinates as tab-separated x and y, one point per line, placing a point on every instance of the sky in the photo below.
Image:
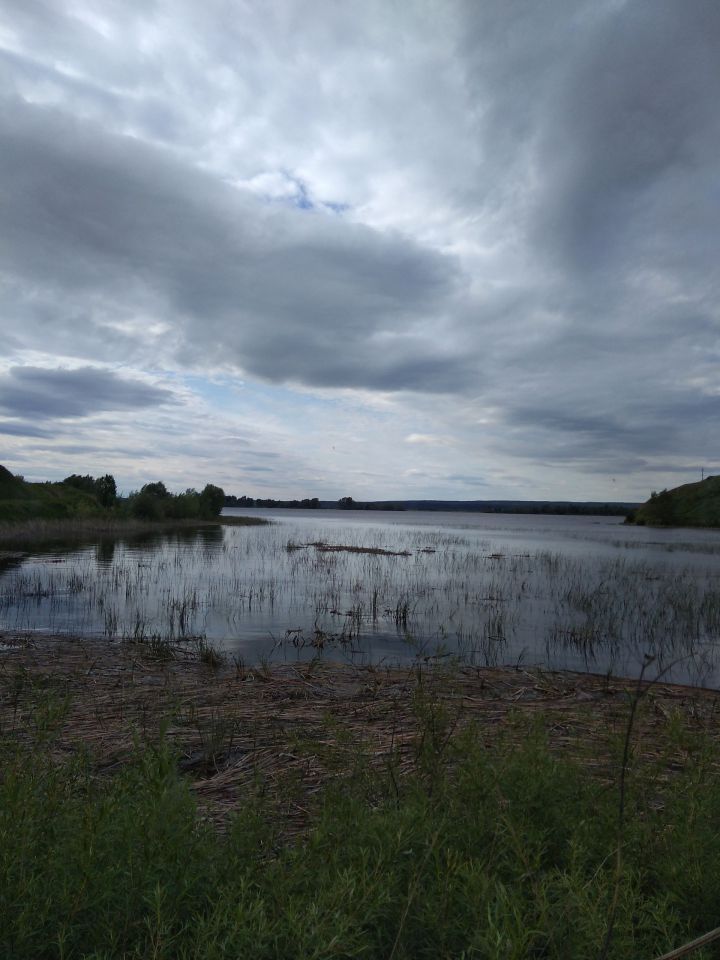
463	249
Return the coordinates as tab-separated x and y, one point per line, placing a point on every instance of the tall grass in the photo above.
34	530
469	851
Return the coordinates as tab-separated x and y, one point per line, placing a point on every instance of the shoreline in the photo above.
42	531
230	724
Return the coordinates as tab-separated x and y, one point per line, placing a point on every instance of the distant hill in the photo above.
691	505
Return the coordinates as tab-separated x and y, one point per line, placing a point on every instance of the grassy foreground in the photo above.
157	804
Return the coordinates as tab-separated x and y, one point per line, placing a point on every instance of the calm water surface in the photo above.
584	593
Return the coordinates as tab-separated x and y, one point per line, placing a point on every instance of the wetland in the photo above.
586	594
328	736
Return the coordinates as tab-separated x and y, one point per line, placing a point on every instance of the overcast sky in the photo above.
382	249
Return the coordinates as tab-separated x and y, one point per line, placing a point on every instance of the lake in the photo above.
579	593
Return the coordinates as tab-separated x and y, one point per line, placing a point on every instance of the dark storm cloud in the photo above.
43	393
286	295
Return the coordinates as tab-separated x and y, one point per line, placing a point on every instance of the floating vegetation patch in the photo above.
324	547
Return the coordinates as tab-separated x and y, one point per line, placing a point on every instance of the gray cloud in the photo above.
627	143
468	481
17	428
286	295
528	218
48	394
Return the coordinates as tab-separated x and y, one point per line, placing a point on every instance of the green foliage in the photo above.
154	502
691	505
11	488
20	500
478	852
144	506
157	490
213	500
102	488
82	496
77	496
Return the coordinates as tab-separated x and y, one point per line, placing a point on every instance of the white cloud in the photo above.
480	236
427	439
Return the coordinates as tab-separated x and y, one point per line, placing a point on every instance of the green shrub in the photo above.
505	853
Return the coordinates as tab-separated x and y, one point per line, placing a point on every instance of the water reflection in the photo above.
105	550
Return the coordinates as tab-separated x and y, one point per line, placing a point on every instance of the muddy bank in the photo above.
233	726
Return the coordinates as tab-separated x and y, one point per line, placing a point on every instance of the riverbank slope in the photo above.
690	505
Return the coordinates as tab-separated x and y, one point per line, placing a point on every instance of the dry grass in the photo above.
233	725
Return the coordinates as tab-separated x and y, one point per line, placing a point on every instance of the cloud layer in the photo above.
36	392
465	243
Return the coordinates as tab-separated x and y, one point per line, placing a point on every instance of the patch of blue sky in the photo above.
232	395
301	199
335	207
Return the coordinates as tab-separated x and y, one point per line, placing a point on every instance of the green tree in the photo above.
102	488
106	490
212	500
144	506
157	489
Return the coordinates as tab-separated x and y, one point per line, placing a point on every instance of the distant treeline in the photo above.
582	508
309	503
591	508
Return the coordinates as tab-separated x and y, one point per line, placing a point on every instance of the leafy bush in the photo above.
102	488
154	502
502	852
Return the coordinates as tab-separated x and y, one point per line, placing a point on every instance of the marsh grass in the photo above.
34	531
233	521
452	835
399	594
